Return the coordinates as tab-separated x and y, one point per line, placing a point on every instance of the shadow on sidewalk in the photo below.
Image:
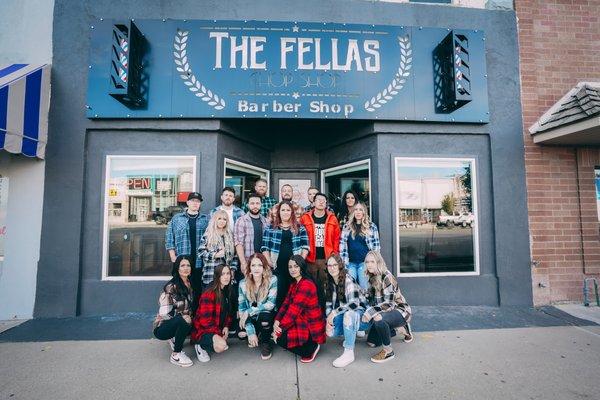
425	319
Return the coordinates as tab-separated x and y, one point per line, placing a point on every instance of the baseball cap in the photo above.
194	195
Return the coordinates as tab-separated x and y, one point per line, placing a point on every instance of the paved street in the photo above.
550	356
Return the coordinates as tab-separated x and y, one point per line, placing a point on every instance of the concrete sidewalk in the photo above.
557	361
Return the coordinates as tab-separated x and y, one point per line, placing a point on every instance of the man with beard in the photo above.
227	199
267	202
249	229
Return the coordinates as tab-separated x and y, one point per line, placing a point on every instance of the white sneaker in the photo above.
171	343
361	334
345	359
181	359
201	354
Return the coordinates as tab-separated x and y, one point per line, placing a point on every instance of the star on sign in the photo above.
295	28
295	95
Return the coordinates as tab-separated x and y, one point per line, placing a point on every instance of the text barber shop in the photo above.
422	123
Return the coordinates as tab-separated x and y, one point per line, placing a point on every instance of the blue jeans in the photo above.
357	271
347	324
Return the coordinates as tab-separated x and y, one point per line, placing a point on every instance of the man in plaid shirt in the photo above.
267	202
179	238
249	230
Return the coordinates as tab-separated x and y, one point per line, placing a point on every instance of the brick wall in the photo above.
559	47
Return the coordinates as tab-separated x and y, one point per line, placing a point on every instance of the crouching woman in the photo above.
213	316
345	304
257	294
173	321
387	311
299	325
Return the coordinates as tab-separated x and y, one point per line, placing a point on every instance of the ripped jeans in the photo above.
347	324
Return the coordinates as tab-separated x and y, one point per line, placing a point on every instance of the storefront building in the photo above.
560	67
415	107
25	58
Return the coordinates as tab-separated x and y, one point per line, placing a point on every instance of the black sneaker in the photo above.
266	351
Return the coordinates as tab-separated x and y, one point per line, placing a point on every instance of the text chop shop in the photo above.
399	114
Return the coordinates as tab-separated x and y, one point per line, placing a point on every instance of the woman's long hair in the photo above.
176	279
340	287
301	262
294	224
213	234
215	285
365	226
254	294
376	279
343	213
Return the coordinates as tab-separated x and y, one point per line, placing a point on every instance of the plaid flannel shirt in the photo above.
210	262
208	317
390	298
243	233
237	213
272	242
266	204
300	314
371	240
355	298
177	235
245	305
171	303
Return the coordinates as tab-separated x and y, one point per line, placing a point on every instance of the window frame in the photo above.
108	161
366	161
233	163
396	217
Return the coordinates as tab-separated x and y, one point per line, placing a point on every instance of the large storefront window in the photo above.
142	195
436	218
242	177
354	176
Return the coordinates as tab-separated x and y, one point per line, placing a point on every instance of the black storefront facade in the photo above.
447	193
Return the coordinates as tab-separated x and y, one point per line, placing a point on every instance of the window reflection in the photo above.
435	215
143	194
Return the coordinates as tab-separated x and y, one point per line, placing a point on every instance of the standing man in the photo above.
227	199
312	191
323	238
185	230
287	193
267	202
248	232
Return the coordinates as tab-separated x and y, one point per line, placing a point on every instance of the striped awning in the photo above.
24	104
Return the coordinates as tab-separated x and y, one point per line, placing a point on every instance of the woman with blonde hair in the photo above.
216	247
359	236
387	311
257	294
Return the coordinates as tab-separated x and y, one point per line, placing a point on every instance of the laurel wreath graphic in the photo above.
189	79
399	80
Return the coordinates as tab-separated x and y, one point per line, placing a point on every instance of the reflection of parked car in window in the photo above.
466	219
163	217
445	219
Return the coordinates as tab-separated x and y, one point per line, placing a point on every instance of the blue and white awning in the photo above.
24	104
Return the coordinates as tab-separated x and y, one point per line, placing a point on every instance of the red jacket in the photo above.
332	234
207	317
300	314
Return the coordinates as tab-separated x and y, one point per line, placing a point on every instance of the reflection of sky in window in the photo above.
405	172
149	167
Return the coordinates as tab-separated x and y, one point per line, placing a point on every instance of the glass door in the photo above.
241	177
355	177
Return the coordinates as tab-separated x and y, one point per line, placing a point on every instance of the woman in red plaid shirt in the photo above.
299	325
214	315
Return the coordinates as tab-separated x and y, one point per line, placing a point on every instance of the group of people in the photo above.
277	273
